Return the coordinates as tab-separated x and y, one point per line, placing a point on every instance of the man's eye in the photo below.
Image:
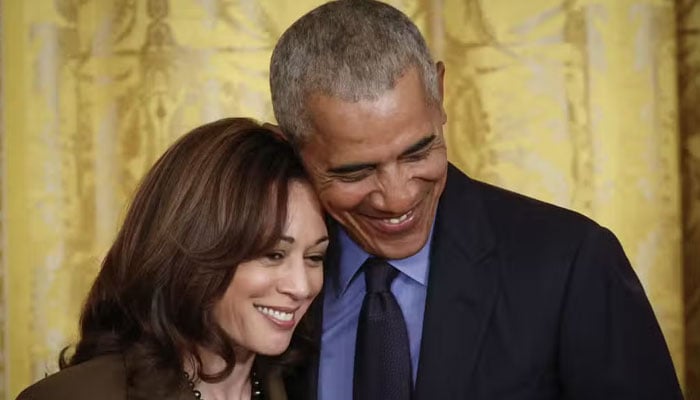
417	156
353	177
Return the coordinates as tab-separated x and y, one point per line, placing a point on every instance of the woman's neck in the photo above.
236	386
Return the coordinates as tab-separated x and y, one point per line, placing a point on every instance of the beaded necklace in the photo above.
255	382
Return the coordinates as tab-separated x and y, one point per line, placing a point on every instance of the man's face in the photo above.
380	166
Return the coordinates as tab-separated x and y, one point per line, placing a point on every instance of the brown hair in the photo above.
216	198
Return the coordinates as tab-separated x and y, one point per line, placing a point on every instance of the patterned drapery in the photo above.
588	104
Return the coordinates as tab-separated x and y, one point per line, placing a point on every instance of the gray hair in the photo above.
349	49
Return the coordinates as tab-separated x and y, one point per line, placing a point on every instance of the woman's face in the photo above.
268	296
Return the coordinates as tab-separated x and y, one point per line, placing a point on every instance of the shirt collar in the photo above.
353	256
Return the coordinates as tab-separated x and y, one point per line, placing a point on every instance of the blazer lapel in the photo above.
462	289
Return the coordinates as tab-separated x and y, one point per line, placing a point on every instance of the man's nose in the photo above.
396	190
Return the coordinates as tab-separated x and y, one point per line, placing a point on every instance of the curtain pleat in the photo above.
688	12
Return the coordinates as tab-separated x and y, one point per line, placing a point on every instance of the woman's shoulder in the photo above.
102	377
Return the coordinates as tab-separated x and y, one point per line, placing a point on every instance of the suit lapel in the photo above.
462	289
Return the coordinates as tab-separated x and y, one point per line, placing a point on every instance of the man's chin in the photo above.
381	244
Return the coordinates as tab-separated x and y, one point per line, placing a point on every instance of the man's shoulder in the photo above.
515	221
514	208
511	210
102	377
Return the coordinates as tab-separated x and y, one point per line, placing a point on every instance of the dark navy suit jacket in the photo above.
527	301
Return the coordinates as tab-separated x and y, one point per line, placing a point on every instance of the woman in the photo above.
218	259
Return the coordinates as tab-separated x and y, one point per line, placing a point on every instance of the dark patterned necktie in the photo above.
382	355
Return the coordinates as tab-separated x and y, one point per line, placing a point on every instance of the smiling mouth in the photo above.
398	220
279	315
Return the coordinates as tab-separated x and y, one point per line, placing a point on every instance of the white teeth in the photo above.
280	315
398	220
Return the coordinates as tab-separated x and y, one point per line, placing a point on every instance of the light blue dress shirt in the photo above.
341	311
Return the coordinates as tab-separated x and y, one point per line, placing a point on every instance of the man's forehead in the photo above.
325	110
372	131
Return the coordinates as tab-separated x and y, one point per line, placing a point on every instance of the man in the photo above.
499	296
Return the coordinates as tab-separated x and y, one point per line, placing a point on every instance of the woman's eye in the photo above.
317	259
275	255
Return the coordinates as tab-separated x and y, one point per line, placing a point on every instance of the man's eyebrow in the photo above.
419	145
356	167
350	168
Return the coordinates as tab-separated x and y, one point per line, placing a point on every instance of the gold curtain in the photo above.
688	12
588	104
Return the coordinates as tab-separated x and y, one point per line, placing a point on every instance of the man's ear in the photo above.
440	69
